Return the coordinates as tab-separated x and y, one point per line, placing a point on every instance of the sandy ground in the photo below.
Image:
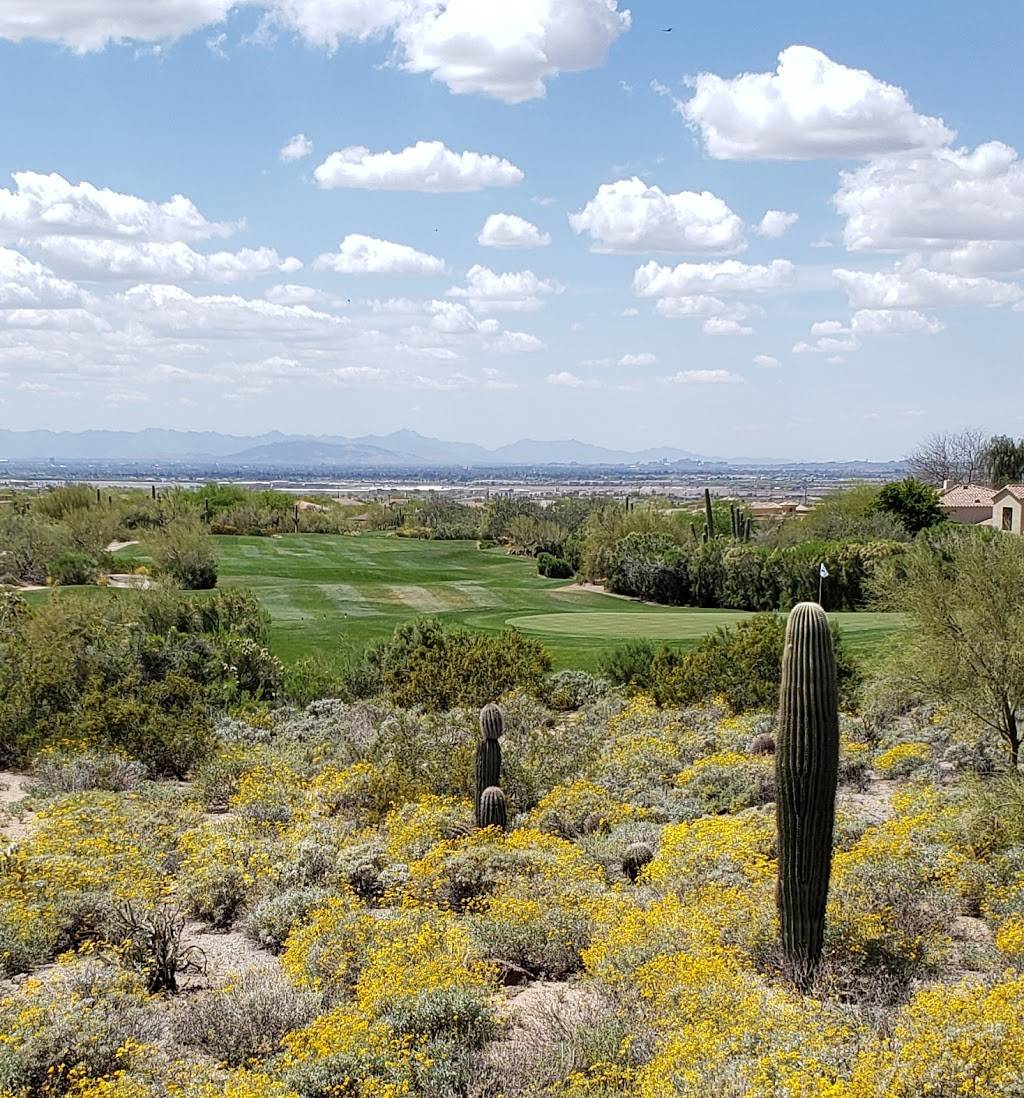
129	581
595	589
13	788
114	546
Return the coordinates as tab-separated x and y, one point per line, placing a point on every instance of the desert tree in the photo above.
956	456
963	595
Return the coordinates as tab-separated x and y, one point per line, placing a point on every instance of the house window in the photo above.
1007	518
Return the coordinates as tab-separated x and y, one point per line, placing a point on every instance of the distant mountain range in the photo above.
401	448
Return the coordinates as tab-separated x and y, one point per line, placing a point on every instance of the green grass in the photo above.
329	594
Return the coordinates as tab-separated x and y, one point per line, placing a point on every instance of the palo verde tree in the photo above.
963	592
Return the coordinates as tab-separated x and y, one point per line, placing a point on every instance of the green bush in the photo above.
429	664
72	569
184	551
554	567
742	664
629	665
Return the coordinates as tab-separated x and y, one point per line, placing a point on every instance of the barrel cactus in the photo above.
634	858
806	772
493	810
488	754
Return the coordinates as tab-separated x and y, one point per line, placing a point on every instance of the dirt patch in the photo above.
227	952
129	581
13	788
116	546
594	589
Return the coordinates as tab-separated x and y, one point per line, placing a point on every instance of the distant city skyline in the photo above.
772	231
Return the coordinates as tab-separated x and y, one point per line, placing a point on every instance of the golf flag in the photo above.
823	571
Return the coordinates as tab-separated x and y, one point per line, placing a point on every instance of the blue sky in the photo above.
627	293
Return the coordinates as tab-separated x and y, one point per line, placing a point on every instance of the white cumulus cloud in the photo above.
643	359
50	205
766	362
725	326
633	216
519	291
359	254
566	379
966	206
507	51
775	223
894	322
296	148
728	277
502	230
811	106
703	377
908	285
426	166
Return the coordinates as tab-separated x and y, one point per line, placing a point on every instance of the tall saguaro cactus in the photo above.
806	772
488	755
709	514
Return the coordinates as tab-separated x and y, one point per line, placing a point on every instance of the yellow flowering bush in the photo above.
224	862
327	952
903	759
413	828
728	781
579	807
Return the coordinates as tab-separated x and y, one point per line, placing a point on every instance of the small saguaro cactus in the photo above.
488	754
709	514
634	858
493	809
806	774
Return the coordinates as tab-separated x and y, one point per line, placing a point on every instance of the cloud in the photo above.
967	206
158	262
86	25
766	362
728	277
908	285
566	379
775	223
724	326
630	311
515	343
631	216
503	230
359	254
28	285
810	107
49	205
829	337
508	52
643	359
296	148
489	292
291	294
703	377
426	166
460	43
894	322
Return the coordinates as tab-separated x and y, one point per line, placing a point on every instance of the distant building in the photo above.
968	503
1008	508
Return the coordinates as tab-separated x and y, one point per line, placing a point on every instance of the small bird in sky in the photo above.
666	30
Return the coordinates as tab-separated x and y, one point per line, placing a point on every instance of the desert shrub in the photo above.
222	863
55	772
554	567
579	808
246	1019
566	690
429	664
270	920
741	664
315	677
327	951
71	569
150	942
184	551
88	1020
728	782
629	665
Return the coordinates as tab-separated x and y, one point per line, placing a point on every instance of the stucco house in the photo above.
1008	509
968	503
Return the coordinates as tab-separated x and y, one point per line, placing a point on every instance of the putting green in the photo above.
664	625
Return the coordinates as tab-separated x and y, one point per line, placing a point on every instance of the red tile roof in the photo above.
967	495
